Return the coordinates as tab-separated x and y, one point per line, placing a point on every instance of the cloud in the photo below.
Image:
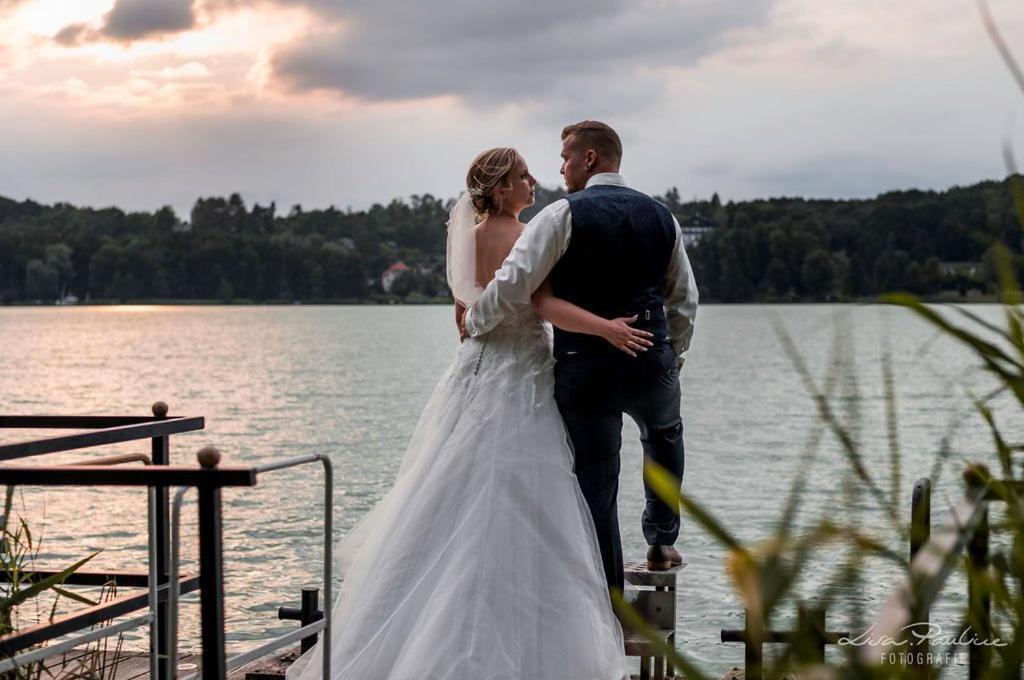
188	71
503	54
72	34
133	19
749	98
130	20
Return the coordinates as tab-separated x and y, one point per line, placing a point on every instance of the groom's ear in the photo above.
590	159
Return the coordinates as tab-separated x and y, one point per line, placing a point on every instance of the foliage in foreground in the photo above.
766	576
22	595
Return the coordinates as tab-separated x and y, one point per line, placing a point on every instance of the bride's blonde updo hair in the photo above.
490	169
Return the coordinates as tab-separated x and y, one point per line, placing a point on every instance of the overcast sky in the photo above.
141	103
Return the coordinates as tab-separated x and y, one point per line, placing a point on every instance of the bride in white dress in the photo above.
481	562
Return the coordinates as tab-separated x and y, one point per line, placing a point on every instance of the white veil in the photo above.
461	253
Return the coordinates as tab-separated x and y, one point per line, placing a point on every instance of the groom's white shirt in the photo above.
543	241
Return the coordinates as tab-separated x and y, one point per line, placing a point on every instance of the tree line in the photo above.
781	249
924	242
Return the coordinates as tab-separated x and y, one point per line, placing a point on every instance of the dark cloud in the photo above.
130	20
133	19
504	52
72	34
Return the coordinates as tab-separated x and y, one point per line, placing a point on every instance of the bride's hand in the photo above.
622	336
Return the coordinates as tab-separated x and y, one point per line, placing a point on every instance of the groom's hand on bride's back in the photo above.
460	320
622	336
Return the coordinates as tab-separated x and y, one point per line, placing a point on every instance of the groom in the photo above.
617	253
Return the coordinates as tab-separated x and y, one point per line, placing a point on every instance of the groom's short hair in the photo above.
597	136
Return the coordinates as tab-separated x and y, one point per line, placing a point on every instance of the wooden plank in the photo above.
187	663
129	665
637	574
267	668
89	661
135	666
53	665
638	645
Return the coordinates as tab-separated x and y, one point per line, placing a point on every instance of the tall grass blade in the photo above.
43	584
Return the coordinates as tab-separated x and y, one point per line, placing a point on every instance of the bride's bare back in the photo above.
495	237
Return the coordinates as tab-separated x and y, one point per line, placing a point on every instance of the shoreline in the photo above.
929	299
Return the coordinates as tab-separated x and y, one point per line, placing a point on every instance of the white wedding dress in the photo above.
481	562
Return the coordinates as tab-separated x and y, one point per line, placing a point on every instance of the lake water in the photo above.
275	382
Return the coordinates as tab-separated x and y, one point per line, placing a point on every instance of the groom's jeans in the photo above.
593	390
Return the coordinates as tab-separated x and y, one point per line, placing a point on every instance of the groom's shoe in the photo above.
662	557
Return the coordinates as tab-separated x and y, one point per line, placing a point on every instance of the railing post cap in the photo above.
976	475
160	409
208	457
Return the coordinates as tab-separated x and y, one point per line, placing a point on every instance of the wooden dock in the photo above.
90	663
653	594
135	666
85	663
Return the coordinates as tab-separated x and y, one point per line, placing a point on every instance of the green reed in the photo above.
20	589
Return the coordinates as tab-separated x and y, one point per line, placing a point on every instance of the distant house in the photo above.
695	228
387	279
960	268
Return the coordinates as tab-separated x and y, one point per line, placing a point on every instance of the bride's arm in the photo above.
569	317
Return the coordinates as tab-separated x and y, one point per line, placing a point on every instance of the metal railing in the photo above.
163	582
216	608
209	481
103	431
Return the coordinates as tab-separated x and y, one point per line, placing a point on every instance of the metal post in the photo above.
309	614
156	624
920	533
978	597
174	589
659	661
669	670
161	456
753	664
920	515
328	561
211	572
818	619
